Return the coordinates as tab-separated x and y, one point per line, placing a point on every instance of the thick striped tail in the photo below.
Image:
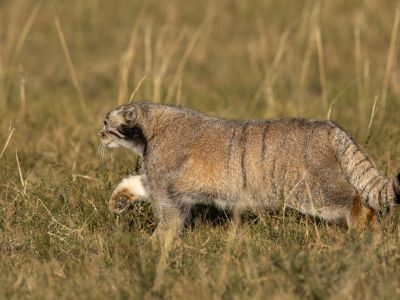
375	190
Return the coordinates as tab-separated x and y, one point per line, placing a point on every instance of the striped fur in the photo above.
375	189
188	158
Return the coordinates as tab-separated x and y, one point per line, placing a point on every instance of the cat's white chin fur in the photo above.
113	145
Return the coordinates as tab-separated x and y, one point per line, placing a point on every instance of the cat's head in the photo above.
122	127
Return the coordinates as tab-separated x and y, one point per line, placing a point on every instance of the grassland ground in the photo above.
63	64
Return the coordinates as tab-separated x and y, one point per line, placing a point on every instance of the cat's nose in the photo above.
102	133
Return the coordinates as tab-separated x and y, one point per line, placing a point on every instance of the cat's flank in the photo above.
311	166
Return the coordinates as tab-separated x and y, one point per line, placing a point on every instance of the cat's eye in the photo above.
129	114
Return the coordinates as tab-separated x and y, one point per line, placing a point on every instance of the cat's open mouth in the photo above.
107	139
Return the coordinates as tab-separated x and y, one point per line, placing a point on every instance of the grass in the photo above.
64	64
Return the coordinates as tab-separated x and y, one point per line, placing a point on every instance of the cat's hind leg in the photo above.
360	216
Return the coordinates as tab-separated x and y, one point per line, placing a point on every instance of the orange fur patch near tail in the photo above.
361	216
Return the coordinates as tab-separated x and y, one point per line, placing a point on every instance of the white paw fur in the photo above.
129	190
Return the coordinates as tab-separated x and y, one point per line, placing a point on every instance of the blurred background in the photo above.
258	59
64	64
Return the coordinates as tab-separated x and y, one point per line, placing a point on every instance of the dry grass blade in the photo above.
231	241
179	92
128	56
19	170
310	18
166	242
2	83
271	72
70	65
77	230
27	27
329	113
54	219
10	134
321	65
390	58
371	120
358	58
57	236
182	63
166	59
74	176
147	52
22	92
137	88
125	65
9	51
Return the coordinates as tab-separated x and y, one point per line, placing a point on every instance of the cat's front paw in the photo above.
120	200
129	190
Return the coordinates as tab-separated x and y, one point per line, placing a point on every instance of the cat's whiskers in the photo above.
101	150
